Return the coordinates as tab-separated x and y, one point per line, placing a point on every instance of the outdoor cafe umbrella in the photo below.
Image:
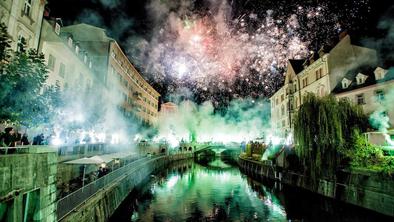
95	160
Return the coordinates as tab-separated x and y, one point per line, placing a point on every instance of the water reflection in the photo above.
215	190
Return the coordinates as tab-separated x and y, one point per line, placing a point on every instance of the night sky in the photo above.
144	27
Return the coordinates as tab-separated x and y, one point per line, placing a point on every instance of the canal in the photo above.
215	190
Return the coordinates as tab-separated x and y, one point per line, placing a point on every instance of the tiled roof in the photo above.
371	80
297	65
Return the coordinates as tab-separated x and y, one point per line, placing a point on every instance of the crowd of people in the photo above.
11	137
254	147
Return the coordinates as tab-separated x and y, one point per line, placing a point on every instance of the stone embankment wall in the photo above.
364	189
103	204
28	185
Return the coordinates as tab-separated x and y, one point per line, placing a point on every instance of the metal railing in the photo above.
14	150
64	150
73	200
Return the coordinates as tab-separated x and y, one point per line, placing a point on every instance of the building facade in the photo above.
373	89
168	107
69	65
139	98
117	73
23	19
318	74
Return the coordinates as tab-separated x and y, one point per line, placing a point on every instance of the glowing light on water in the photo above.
172	181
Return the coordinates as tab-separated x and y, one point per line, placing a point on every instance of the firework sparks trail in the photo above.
214	53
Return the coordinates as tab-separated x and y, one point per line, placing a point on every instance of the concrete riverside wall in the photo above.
104	203
28	179
364	189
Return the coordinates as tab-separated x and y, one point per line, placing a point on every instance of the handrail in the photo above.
17	149
70	202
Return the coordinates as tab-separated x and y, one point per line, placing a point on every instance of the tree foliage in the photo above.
4	44
323	127
364	155
23	100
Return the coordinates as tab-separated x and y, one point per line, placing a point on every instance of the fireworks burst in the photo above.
221	57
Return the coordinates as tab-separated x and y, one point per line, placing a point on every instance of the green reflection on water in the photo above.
214	192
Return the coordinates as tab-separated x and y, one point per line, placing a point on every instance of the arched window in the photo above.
322	91
282	110
21	43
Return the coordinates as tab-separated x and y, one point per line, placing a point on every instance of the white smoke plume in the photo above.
244	120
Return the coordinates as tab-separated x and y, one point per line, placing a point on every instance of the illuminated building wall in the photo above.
139	98
372	88
168	107
69	65
117	73
318	74
23	19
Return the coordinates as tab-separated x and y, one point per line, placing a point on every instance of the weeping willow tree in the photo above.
322	128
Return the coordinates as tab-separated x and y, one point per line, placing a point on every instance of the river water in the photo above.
216	190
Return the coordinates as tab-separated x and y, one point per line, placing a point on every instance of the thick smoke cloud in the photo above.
244	120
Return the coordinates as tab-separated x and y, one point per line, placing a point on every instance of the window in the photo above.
21	44
282	97
57	28
70	42
359	80
319	73
322	91
380	73
27	7
360	99
282	110
90	64
344	85
51	62
62	70
77	49
305	82
379	95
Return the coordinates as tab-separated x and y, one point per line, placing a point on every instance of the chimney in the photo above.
312	58
321	52
47	12
342	35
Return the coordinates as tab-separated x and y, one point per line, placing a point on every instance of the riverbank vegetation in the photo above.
327	134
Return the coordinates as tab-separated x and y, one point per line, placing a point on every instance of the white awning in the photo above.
101	159
84	161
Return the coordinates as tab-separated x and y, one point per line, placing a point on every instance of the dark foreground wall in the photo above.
104	203
364	189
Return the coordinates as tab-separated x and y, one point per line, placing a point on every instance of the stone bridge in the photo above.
218	148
